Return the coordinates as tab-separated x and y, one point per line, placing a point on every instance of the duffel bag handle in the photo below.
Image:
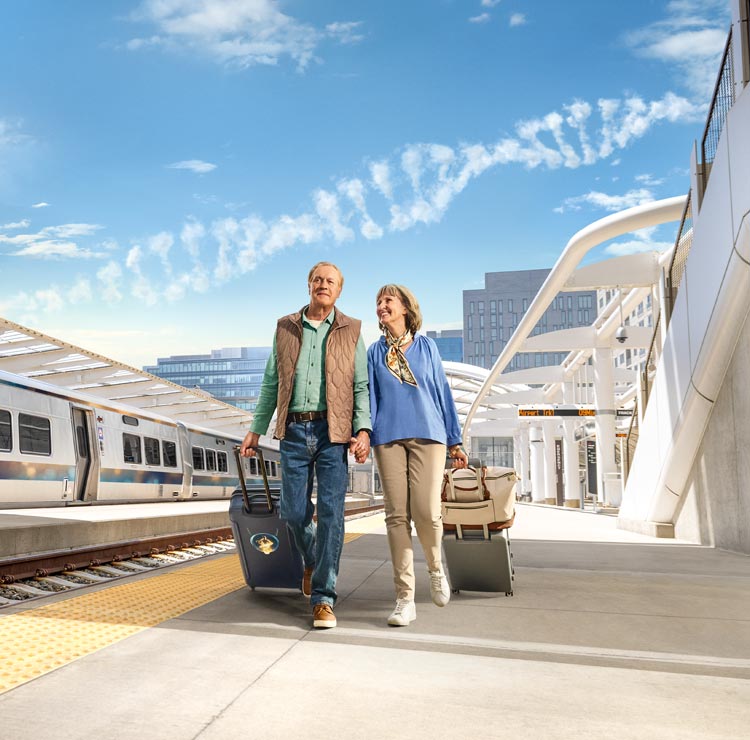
448	492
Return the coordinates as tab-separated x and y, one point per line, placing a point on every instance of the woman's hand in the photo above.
459	457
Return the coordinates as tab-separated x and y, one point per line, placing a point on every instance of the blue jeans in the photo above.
305	450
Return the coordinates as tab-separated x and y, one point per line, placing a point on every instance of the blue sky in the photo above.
170	169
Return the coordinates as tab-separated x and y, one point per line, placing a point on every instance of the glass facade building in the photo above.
233	374
450	344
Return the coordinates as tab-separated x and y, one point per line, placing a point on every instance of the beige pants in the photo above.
411	471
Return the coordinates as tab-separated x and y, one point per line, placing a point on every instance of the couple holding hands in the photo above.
332	397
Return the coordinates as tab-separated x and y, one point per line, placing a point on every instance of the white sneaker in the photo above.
404	613
439	589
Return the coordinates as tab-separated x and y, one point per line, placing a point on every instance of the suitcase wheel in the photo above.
509	593
455	591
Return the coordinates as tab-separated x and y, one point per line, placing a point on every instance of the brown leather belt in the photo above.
298	416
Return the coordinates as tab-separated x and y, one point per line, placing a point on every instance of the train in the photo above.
60	446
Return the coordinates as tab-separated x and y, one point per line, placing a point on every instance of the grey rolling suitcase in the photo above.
264	543
476	545
476	562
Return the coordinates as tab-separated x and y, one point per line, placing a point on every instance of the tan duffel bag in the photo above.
481	498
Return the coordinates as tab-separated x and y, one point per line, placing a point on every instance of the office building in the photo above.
492	313
450	344
232	374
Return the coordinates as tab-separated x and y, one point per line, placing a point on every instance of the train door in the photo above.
87	455
187	460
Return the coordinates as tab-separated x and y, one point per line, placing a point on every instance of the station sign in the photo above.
556	412
624	412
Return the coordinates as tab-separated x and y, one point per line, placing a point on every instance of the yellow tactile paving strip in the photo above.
42	639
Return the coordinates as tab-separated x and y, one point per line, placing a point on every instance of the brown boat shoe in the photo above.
323	616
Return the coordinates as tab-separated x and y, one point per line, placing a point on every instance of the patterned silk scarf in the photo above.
396	361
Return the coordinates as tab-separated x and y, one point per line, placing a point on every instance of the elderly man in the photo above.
316	379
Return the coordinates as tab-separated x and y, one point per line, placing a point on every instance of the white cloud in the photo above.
481	18
160	244
41	204
54	248
190	236
649	180
690	38
80	292
11	133
517	19
16	225
194	165
489	3
607	202
345	33
414	186
110	277
239	33
53	242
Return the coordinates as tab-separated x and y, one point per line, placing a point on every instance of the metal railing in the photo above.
679	258
652	360
721	102
631	442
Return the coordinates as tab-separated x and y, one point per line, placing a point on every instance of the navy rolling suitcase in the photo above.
267	551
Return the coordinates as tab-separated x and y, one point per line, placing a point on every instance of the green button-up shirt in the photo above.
309	391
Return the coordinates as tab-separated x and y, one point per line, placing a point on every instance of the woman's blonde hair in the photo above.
413	313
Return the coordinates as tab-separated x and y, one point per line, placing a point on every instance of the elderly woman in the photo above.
414	420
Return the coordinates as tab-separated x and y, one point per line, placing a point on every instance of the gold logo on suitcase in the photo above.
265	543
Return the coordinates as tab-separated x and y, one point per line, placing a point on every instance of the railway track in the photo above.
41	575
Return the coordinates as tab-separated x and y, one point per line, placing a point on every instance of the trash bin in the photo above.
612	489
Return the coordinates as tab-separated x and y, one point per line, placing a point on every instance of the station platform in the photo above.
609	634
40	530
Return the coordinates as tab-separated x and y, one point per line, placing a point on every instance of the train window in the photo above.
198	463
274	469
221	460
169	450
6	432
151	446
131	448
130	421
34	435
210	460
253	466
269	467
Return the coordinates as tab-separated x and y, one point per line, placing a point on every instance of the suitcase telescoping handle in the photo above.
263	472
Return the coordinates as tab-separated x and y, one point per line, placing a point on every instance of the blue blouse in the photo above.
401	411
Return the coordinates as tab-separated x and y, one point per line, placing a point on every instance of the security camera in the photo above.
621	335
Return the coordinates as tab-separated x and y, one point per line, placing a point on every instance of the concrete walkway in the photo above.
610	634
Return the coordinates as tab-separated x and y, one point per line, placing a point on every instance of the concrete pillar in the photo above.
572	486
604	399
549	428
536	462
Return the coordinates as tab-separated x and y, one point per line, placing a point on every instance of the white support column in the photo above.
536	455
604	399
549	427
524	485
572	486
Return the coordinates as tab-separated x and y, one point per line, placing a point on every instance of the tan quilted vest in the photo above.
341	345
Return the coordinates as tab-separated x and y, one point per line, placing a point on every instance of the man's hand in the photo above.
249	443
359	446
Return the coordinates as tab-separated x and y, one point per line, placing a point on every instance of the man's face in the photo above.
325	287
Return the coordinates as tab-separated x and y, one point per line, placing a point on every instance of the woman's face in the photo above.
391	311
